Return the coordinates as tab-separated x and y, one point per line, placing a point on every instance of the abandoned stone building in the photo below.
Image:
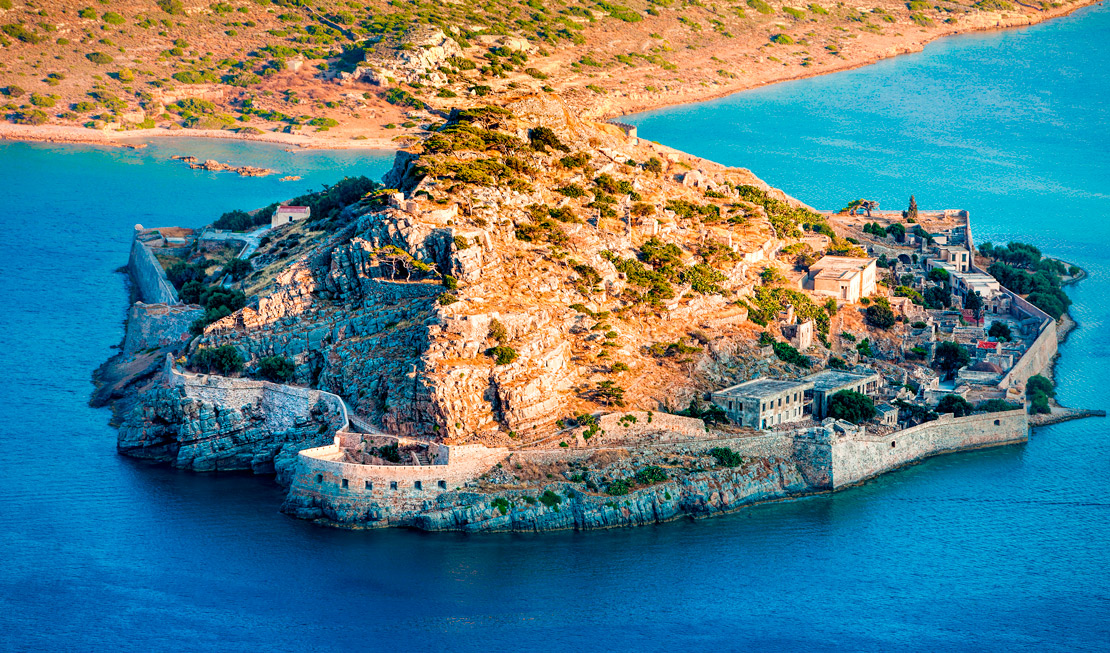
765	403
826	383
842	277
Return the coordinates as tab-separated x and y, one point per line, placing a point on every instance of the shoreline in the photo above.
913	47
81	135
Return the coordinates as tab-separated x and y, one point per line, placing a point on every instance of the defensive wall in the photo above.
1040	354
147	274
833	460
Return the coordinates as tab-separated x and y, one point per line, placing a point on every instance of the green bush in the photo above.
782	39
851	406
880	314
726	457
619	487
112	18
550	499
650	475
19	32
502	354
99	58
761	6
955	404
224	359
278	369
32	117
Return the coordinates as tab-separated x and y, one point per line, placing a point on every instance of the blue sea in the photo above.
997	550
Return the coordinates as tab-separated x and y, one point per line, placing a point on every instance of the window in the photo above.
393	485
892	444
319	478
344	484
417	485
998	422
764	423
443	485
730	405
369	485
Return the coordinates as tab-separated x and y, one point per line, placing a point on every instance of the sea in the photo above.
997	550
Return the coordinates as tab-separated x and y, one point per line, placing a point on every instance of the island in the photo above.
539	321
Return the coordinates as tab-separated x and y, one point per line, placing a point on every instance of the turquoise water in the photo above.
997	550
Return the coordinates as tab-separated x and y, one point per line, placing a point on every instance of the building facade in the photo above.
765	403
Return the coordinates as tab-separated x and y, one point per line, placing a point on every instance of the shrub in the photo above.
501	503
550	499
782	39
13	91
224	359
1038	390
851	406
99	58
1001	331
542	138
761	6
502	354
619	487
235	220
21	33
726	457
112	18
278	369
237	268
497	331
650	475
32	117
880	314
996	406
955	404
171	6
950	356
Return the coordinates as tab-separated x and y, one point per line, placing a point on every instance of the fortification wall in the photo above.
158	325
387	494
854	459
148	276
1039	356
754	446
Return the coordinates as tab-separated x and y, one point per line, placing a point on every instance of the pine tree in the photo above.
911	214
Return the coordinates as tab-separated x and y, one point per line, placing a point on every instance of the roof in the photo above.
830	379
839	267
764	387
886	408
293	209
987	344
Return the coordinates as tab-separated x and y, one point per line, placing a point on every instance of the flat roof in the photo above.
829	379
842	263
764	387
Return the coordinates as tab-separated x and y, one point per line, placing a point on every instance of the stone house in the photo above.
842	277
765	403
287	214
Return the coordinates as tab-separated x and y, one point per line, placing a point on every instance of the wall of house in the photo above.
148	276
857	458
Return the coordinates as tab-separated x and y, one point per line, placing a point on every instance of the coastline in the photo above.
909	46
602	109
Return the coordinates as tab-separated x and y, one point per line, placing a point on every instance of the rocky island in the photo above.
537	321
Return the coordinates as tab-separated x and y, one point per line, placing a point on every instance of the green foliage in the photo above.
768	301
782	39
761	6
99	58
278	369
996	406
1001	331
112	18
237	220
864	347
237	268
224	359
710	413
501	504
650	475
785	219
13	91
608	393
502	354
994	5
550	499
837	363
955	404
390	452
703	279
1038	390
576	160
32	117
880	314
950	356
726	457
498	332
176	7
656	283
402	98
21	33
619	487
851	406
542	138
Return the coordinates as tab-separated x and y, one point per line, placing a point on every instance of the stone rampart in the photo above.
148	276
1039	356
857	458
324	486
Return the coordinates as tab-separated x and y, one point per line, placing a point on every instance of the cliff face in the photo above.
696	494
206	425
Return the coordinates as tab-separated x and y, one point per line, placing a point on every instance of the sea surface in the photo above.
998	550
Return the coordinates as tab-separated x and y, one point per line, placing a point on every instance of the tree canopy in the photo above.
851	406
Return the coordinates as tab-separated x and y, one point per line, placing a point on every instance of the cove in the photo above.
992	550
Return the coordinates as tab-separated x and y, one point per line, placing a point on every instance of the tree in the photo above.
898	231
1038	390
939	275
276	368
911	213
609	393
950	356
237	268
851	406
880	314
1001	331
973	302
224	359
937	297
955	404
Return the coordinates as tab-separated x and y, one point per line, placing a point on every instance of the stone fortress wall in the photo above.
857	458
147	274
